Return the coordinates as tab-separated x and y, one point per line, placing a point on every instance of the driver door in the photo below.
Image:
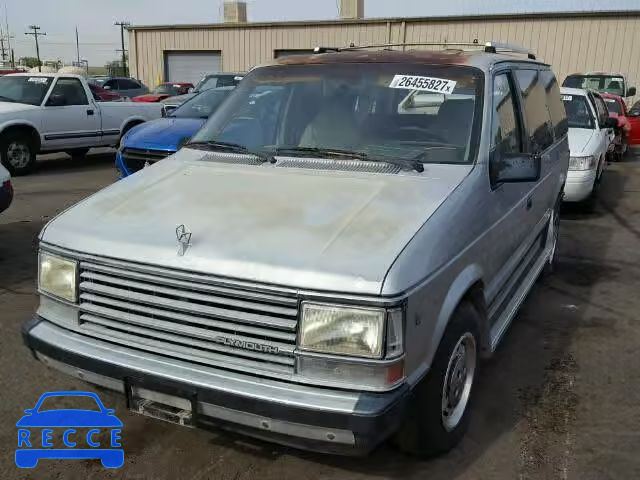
69	118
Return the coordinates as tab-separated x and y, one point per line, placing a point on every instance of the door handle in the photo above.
90	111
529	203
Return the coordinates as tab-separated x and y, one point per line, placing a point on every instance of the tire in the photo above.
77	153
429	429
554	225
589	204
18	153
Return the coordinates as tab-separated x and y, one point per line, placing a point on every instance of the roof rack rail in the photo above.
489	47
493	47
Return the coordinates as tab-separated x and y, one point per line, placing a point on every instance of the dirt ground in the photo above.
561	399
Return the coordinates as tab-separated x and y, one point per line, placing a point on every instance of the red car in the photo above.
618	110
164	90
102	95
634	120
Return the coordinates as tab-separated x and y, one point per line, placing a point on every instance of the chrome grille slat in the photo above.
153	335
177	328
220	313
182	352
202	287
104	279
190	316
89	301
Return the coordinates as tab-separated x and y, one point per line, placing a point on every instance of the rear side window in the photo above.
505	131
554	104
126	84
536	113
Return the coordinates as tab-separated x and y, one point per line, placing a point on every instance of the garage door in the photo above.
190	66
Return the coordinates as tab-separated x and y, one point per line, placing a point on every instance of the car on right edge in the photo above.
590	136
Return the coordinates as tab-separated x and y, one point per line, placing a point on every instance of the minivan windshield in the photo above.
578	112
24	89
203	104
375	111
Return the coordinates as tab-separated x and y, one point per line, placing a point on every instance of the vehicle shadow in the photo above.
18	256
58	164
525	400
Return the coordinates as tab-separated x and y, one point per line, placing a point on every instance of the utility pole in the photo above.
36	32
77	45
122	24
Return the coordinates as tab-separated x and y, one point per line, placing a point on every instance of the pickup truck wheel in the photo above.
438	414
18	153
77	153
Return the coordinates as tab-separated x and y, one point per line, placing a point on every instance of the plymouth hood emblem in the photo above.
184	239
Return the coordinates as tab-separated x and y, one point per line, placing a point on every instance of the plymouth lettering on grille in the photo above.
256	347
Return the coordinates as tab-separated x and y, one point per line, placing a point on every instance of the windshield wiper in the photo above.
264	157
412	164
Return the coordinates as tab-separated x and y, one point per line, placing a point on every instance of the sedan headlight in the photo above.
57	276
582	163
342	330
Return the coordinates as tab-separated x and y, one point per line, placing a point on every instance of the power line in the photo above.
36	32
122	24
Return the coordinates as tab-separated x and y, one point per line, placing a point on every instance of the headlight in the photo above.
57	276
342	330
582	163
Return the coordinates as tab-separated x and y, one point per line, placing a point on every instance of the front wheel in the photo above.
438	415
18	153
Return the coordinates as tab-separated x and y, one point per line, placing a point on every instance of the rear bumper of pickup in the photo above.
311	418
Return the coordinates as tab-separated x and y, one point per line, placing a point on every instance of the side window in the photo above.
71	90
126	84
112	84
536	114
226	81
554	104
601	108
505	130
94	93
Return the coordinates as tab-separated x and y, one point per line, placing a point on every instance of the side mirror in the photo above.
514	167
610	123
56	100
631	92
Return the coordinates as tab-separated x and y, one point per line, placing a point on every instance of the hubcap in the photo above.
18	154
458	381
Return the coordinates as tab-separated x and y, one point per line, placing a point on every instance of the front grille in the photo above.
136	158
171	315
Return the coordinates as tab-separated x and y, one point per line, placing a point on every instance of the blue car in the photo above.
36	435
152	141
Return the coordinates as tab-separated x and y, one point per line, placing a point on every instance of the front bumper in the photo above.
579	185
123	171
311	418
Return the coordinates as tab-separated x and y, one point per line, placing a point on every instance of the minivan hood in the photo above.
579	139
295	227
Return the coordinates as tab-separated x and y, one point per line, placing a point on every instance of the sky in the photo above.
99	38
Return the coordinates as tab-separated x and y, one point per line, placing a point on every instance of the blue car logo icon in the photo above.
36	432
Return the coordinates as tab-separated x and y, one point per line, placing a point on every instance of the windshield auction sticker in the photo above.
427	84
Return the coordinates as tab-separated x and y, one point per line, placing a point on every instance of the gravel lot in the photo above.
559	400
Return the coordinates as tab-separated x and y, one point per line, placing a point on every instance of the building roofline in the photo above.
361	21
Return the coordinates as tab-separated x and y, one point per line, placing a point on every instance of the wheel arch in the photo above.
468	286
22	127
131	122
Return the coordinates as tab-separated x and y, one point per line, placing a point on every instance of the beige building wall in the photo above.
569	42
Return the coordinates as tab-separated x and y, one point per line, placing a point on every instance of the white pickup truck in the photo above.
58	113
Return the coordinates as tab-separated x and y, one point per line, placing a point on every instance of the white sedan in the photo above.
590	134
6	189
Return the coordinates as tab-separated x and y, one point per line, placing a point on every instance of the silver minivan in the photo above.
327	260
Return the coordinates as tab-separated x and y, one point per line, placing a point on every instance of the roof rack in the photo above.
489	47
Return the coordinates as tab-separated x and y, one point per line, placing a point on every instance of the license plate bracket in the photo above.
156	401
